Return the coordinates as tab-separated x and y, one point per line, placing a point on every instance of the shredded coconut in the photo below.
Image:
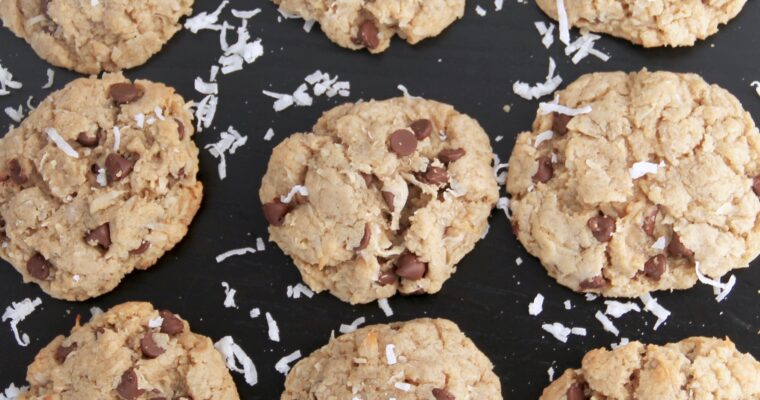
353	326
206	87
550	372
617	309
591	297
538	90
7	82
236	359
12	392
269	135
578	331
537	306
547	33
205	112
116	138
229	141
542	137
385	306
623	341
568	305
234	252
498	166
564	26
606	323
205	20
756	85
390	354
155	322
61	143
16	114
660	243
50	79
260	244
559	331
302	190
17	312
282	366
518	261
299	290
229	293
651	305
95	311
273	330
503	204
255	312
403	386
548	108
642	168
245	14
721	289
480	11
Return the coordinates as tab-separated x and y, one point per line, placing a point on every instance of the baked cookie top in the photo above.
358	24
696	368
90	37
422	359
659	177
131	352
95	182
398	192
651	23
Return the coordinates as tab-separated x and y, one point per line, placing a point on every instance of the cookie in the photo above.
659	178
422	359
95	182
656	23
359	24
131	352
382	197
695	368
90	36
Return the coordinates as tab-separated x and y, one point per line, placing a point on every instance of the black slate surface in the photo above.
472	66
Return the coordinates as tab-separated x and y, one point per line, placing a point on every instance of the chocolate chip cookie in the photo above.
421	359
656	176
382	197
95	182
694	368
357	24
93	36
131	352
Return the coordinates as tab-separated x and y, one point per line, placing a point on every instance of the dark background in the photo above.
480	59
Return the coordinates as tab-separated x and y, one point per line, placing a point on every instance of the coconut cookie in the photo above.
131	352
382	197
359	24
656	177
651	23
97	181
90	36
422	359
696	368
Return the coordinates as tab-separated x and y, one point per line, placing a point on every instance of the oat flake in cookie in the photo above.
90	36
696	368
131	352
398	192
95	182
660	176
359	24
422	359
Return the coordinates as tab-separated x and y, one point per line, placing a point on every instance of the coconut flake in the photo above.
722	294
578	331
101	177
269	135
17	312
721	289
206	87
623	341
229	141
255	312
537	305
642	168
568	305
116	138
498	166
651	305
155	322
245	14
540	89
229	293
234	252
16	114
282	366
7	82
95	311
302	190
606	323
272	329
385	306
404	386
564	26
50	79
756	85
12	392
542	137
547	33
236	359
660	243
498	4
518	261
559	331
260	244
480	11
591	297
204	20
390	354
550	372
353	326
308	24
548	108
617	309
61	143
300	289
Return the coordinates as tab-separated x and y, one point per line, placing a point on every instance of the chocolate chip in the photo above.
515	227
596	282
387	278
436	175
649	221
171	324
128	388
677	249
275	212
408	266
118	167
86	140
448	156
602	227
389	198
422	128
124	93
575	392
368	34
180	128
144	246
403	142
443	394
559	123
38	267
63	351
100	236
149	347
16	173
365	239
545	170
368	178
655	267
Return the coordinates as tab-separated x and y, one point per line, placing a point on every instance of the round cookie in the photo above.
398	192
131	352
90	37
660	176
78	215
358	24
695	368
652	23
422	359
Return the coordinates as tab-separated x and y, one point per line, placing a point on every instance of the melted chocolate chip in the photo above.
408	266
649	221
677	249
127	388
171	325
365	239
368	35
38	267
368	178
655	267
144	246
100	236
63	351
118	167
448	156
443	394
124	93
180	129
387	278
575	392
435	175
275	212
389	197
559	123
86	140
602	227
149	347
422	128
16	173
403	142
545	170
596	282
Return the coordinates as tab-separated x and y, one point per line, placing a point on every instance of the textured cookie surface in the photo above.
696	368
660	176
398	192
422	359
651	23
357	24
131	352
90	37
79	215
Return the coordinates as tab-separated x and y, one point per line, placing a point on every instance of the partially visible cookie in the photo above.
98	180
649	23
696	368
383	196
358	24
662	175
93	36
422	359
131	352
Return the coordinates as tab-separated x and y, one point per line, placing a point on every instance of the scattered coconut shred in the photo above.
651	305
756	85
234	252
7	82
16	114
606	323
283	365
353	326
61	143
537	305
561	332
320	84
298	290
229	296
272	330
17	312
385	306
12	392
539	90
720	289
50	79
237	360
229	141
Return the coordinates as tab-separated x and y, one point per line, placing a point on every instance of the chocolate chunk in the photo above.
575	392
677	249
655	267
171	325
368	35
596	282
602	227
387	278
100	236
180	128
545	170
408	266
422	128
649	221
756	185
365	239
443	394
149	347
124	93
389	197
63	351
515	227
86	140
435	175
275	212
144	246
448	156
403	142
16	173
128	388
369	179
559	123
38	267
118	167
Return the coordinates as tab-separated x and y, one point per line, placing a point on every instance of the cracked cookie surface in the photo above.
398	192
89	38
77	216
579	205
696	368
650	23
357	24
131	352
422	359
